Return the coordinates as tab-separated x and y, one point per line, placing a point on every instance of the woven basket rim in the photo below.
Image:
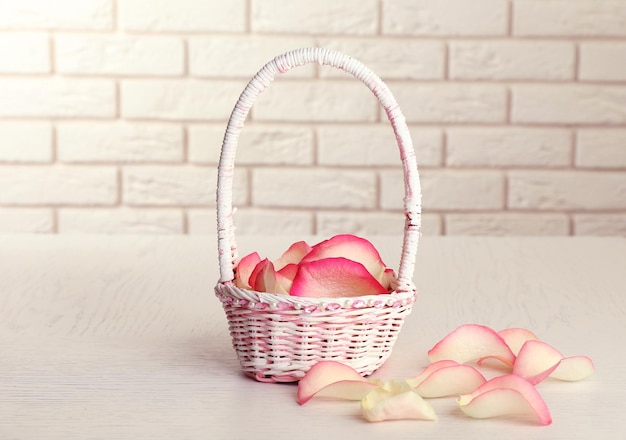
391	299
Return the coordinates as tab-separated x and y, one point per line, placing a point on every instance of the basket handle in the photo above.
227	247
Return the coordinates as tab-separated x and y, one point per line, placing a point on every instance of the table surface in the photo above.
122	337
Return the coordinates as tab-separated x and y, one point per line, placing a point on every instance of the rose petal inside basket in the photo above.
334	277
351	247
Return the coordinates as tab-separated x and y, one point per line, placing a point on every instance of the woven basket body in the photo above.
279	337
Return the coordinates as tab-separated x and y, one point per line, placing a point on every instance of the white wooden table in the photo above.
121	337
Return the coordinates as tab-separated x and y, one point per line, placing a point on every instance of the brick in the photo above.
447	190
25	142
567	190
176	186
57	97
120	221
546	60
242	56
501	223
451	103
319	101
138	142
24	53
182	15
119	55
569	104
371	223
309	188
445	17
59	185
57	15
179	99
253	221
569	17
250	221
600	224
319	17
258	144
603	61
601	148
391	59
374	145
508	146
26	220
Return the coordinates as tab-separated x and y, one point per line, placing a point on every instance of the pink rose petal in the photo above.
471	342
263	278
334	277
430	369
389	280
573	368
289	271
351	247
285	276
536	361
515	338
505	395
333	379
293	255
244	270
395	401
450	381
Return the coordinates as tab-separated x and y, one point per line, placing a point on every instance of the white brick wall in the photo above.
112	114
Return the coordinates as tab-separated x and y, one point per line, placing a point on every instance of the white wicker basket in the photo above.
279	337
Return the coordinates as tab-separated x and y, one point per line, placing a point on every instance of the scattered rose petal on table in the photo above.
395	401
505	395
573	368
536	361
333	379
472	342
334	277
450	381
515	338
430	369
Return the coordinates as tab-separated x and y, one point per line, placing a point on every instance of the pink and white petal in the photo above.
430	369
289	271
263	278
505	395
326	373
395	401
293	255
351	247
573	368
284	278
515	338
389	280
345	390
536	361
334	277
451	381
471	342
245	268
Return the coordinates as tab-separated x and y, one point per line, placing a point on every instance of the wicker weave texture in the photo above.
277	337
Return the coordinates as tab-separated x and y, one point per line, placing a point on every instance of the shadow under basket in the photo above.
278	338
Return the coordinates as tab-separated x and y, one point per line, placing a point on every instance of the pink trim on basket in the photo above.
331	306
